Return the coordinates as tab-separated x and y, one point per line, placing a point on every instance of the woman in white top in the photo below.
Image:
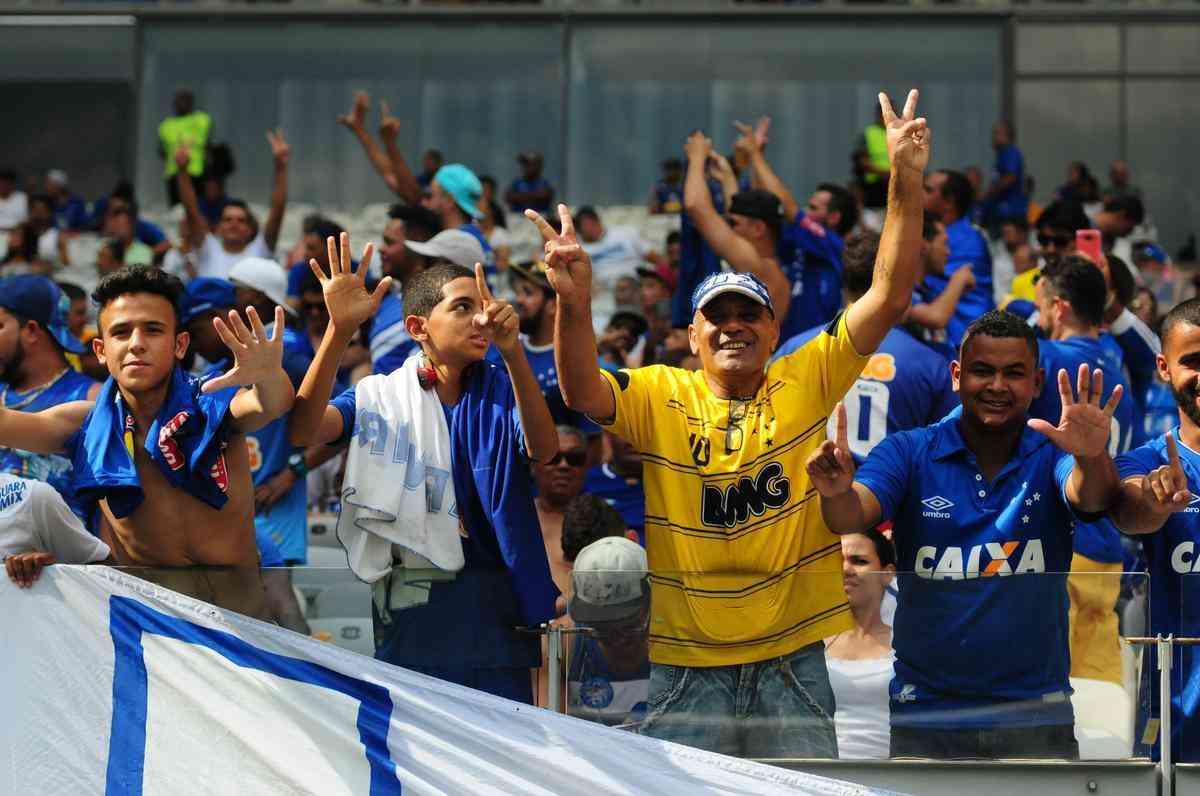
860	659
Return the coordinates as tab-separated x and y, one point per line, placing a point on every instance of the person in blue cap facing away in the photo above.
161	456
454	195
35	374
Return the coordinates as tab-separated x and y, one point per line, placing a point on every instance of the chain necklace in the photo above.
27	399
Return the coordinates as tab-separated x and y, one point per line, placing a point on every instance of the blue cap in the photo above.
39	299
1151	251
744	284
462	184
204	294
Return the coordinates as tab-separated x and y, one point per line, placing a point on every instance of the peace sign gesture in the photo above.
908	138
1084	426
496	318
568	266
346	296
830	467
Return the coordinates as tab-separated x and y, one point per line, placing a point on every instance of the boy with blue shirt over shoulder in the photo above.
984	492
495	422
1160	482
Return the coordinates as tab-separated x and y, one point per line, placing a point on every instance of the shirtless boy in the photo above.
149	521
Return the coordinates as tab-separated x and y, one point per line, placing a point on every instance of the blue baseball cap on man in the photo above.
205	294
36	298
462	184
743	284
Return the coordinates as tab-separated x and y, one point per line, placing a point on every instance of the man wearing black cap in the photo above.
748	236
745	574
34	373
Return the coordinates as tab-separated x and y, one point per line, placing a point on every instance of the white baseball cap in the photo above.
460	248
265	276
611	581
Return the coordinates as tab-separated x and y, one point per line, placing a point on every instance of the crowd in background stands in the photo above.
985	241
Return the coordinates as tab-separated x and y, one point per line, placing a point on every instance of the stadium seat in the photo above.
356	635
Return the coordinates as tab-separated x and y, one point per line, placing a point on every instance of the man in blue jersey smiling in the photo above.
1160	484
982	493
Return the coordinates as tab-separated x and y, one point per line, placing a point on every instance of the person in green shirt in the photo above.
187	128
119	226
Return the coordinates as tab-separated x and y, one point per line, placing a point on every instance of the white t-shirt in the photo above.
619	253
47	246
499	239
175	263
13	210
213	260
34	517
863	718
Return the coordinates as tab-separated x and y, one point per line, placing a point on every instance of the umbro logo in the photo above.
937	506
1193	506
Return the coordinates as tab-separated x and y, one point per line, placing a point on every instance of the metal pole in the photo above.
1165	648
554	664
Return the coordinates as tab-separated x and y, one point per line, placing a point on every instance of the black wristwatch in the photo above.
296	464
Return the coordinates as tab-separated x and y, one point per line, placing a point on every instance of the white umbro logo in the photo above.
937	503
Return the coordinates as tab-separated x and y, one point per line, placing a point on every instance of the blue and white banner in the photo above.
115	686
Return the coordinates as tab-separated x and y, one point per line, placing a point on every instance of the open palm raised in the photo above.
346	296
1084	426
908	137
568	266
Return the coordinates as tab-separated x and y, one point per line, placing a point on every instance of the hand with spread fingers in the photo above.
345	291
568	266
908	137
1165	489
25	568
357	116
1084	425
496	319
256	356
831	467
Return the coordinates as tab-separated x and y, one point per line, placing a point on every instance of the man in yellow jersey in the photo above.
746	578
187	128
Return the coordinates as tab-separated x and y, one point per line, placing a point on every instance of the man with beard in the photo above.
1160	482
387	339
36	375
983	492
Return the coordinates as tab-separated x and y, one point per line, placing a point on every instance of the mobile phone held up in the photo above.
1087	243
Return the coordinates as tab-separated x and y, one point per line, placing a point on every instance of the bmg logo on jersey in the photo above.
937	507
732	505
950	563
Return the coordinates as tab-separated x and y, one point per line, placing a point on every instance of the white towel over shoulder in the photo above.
398	491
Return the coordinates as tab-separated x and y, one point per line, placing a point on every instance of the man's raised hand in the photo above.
568	266
389	125
908	138
255	355
357	116
830	467
280	150
698	146
1165	488
496	319
1084	425
345	291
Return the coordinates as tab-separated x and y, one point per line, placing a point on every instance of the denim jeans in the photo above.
781	707
1050	742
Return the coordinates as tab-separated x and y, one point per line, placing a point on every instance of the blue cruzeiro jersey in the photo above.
968	249
1160	413
811	258
975	645
545	370
904	385
53	469
1100	541
1173	562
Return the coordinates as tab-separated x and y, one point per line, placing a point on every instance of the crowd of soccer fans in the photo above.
886	470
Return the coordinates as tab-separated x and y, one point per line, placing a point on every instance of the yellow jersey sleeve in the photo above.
828	364
633	393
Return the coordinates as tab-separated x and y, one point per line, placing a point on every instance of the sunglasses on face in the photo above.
1058	241
573	458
